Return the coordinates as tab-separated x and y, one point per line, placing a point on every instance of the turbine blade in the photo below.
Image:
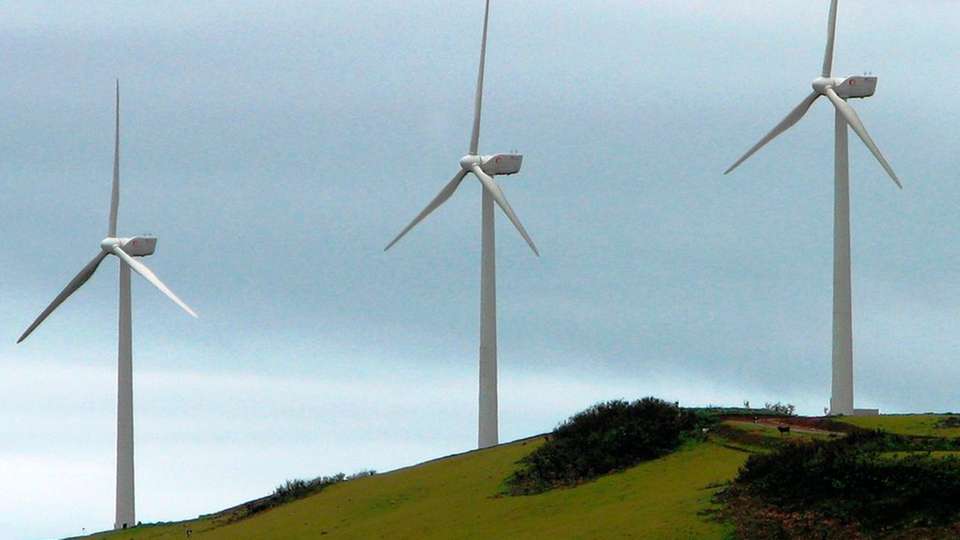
71	287
491	186
795	115
148	274
478	103
831	39
853	119
441	198
115	194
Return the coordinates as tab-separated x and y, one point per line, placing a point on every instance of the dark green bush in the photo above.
292	490
606	437
949	422
852	480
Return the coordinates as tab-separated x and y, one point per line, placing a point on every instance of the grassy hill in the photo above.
919	425
460	496
463	496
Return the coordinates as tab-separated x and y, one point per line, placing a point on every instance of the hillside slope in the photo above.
462	496
920	425
457	497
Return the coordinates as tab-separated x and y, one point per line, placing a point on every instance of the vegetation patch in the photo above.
607	437
950	422
292	490
672	497
864	485
924	425
781	409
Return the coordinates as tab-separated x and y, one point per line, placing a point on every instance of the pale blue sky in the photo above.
276	149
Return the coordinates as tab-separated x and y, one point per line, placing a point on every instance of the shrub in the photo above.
782	409
292	490
361	474
606	437
948	422
850	481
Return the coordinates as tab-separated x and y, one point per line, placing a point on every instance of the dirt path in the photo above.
797	425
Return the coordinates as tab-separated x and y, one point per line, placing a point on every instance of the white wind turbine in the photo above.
125	249
837	90
484	167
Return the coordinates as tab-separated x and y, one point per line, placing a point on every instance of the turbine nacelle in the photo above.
137	246
858	86
501	164
495	165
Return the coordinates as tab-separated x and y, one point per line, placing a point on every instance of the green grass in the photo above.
750	427
745	436
459	497
771	431
922	425
463	496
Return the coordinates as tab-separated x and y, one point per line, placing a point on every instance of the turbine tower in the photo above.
838	91
127	250
484	168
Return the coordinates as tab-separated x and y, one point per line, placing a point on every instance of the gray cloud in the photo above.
276	149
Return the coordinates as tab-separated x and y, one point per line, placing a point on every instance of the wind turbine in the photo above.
838	91
127	250
484	168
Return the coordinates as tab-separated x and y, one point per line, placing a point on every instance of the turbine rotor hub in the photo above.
856	86
467	162
109	243
821	84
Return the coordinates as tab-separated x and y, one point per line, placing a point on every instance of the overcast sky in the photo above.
275	149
